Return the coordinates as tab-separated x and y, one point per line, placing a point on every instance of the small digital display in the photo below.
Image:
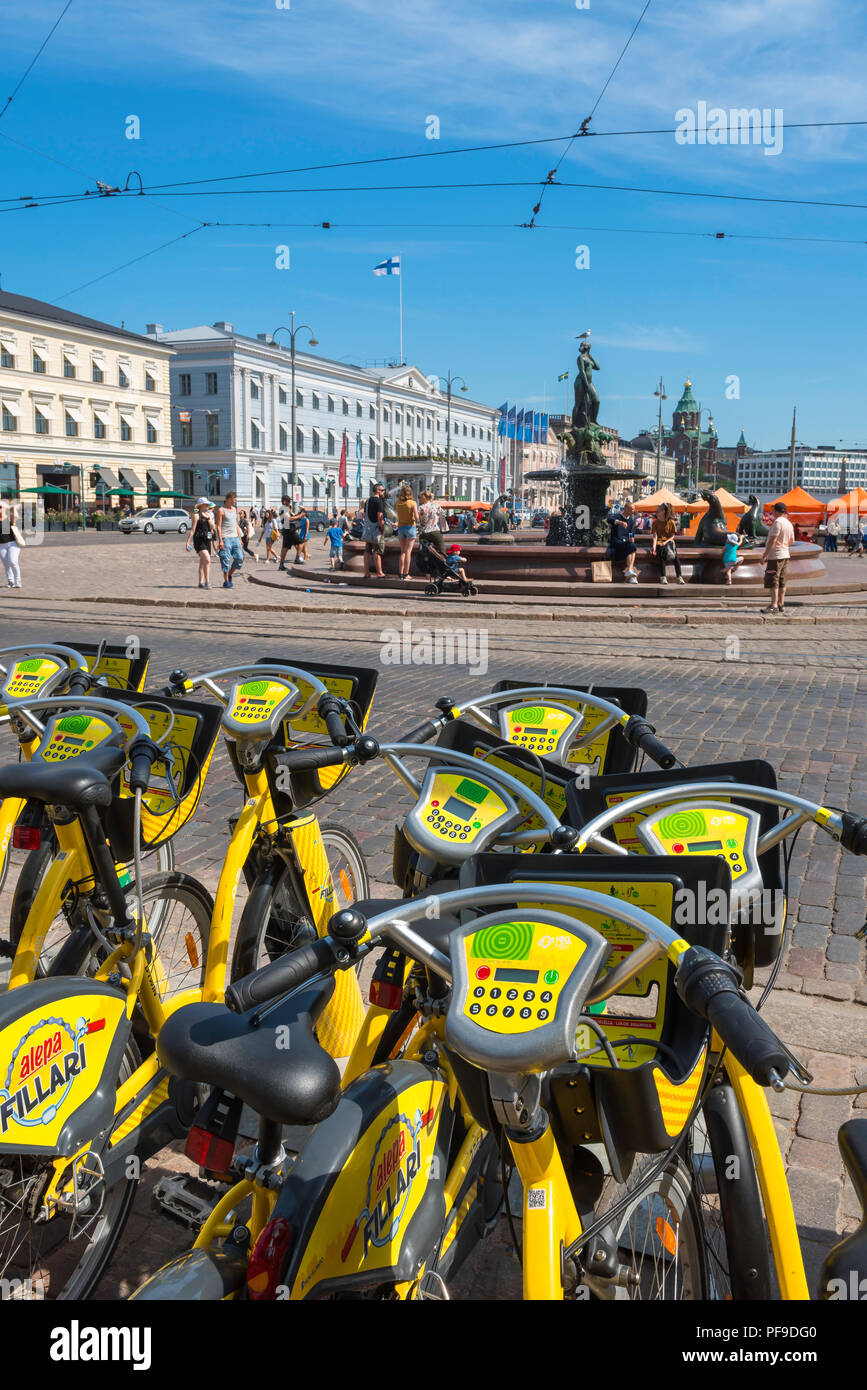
516	977
79	742
696	846
459	808
472	791
250	701
542	733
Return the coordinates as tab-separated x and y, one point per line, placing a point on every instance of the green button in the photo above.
477	825
732	843
551	977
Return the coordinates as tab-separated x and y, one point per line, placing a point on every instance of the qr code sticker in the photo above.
536	1198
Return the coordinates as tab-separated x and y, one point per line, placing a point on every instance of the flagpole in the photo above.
400	303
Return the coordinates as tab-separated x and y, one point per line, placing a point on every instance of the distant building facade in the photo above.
824	472
85	408
232	421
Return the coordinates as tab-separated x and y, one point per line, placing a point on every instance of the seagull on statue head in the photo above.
585	334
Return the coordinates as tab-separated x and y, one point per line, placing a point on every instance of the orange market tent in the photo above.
464	506
852	502
732	506
802	508
660	498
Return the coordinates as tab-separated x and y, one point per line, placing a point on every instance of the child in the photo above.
334	537
302	525
730	558
453	560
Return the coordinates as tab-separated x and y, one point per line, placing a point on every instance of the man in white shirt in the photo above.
776	557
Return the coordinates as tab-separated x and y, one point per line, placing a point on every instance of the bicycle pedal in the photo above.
186	1200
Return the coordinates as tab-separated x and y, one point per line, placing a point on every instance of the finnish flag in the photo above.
389	267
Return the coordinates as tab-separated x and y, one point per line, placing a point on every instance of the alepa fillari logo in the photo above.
41	1070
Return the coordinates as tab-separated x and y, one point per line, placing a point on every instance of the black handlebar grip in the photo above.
308	759
711	988
330	712
143	754
854	836
643	735
79	683
280	976
428	730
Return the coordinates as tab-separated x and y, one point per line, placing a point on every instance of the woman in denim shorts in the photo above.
407	527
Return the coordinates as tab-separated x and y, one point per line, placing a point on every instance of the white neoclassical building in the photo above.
85	407
232	422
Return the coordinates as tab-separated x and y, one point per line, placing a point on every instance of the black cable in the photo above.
504	1180
34	60
134	261
588	1021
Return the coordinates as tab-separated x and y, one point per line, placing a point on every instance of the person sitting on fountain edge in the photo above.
622	543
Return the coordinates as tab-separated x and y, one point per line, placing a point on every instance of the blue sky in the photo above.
223	87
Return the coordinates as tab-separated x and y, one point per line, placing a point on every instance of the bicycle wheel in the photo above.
274	920
658	1235
178	911
30	878
63	1258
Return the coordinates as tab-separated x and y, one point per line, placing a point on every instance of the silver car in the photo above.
151	519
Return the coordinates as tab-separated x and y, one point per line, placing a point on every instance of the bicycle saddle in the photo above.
844	1271
278	1067
77	783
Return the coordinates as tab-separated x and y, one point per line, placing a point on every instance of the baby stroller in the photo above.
440	577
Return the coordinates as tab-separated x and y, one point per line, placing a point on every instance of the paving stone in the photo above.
818	1157
846	950
821	1116
829	989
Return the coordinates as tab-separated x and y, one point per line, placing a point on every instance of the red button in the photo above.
434	803
518	728
483	972
678	849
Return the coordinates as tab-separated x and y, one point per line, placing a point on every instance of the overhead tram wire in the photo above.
587	119
134	261
23	78
44	198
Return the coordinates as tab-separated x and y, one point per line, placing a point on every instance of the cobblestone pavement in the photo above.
726	688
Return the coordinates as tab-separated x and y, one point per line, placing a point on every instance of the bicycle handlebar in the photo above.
96	703
642	735
314	756
281	975
854	833
180	683
329	710
69	654
712	989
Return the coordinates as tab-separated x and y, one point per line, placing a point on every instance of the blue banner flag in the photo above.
501	423
512	419
543	428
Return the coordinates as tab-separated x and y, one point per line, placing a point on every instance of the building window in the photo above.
9	478
299	396
10	424
254	390
359	409
315	401
299	439
210	383
281	395
6	358
150	383
98	428
151	432
96	373
331	404
371	448
255	436
332	442
315	441
125	429
186	434
386	414
38	363
284	439
371	412
122	378
40	421
465	431
345	406
71	426
184	384
213	431
68	367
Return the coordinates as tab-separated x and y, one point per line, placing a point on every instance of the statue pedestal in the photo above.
495	538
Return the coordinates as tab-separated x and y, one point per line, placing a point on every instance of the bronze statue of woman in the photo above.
586	409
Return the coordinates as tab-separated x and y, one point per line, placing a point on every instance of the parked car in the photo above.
539	519
319	521
150	519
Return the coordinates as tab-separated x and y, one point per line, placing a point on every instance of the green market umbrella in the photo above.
176	496
49	490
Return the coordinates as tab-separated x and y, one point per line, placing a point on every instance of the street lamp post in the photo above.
450	381
314	342
662	397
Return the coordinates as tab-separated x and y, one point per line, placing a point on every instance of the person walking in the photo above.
244	530
430	522
776	557
268	533
622	542
11	543
302	528
228	539
663	545
373	533
202	538
831	534
407	528
288	530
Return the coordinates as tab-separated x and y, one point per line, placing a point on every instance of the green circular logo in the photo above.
531	714
74	723
255	688
505	941
684	824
